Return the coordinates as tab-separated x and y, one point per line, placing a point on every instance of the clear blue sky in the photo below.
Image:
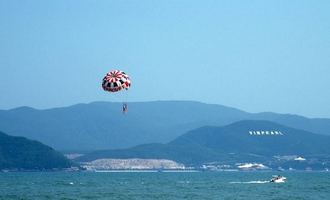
252	55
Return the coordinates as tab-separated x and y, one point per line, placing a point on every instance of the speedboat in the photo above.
277	179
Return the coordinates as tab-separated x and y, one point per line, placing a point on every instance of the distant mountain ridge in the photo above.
22	154
101	125
243	141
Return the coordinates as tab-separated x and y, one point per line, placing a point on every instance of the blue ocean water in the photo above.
172	186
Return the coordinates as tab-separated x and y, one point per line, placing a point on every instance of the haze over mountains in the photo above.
101	125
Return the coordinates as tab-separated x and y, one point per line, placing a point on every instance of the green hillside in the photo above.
23	154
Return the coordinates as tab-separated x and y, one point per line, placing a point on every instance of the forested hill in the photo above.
23	154
243	141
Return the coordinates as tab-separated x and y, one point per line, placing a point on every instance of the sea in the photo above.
164	185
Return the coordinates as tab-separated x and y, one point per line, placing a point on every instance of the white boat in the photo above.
278	179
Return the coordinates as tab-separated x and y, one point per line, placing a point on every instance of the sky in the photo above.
252	55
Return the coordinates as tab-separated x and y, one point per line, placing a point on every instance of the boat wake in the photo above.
250	182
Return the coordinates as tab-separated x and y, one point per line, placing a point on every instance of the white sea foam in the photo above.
250	182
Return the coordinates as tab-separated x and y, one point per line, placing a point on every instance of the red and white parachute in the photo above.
115	81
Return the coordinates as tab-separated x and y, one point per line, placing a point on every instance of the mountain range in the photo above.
243	141
101	125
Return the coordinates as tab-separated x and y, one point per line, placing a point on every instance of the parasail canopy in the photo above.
115	81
